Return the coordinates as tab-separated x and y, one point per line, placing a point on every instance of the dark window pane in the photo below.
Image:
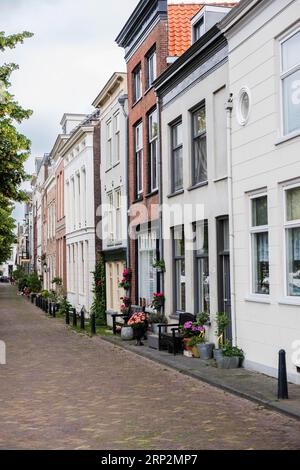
261	263
260	211
200	160
293	258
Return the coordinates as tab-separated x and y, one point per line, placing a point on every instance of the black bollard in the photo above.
82	320
93	324
282	377
54	310
50	309
74	313
67	316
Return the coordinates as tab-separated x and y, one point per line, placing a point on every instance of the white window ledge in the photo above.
290	301
260	299
287	138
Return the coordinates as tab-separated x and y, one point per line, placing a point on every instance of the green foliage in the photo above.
57	281
222	324
63	305
34	283
45	294
14	148
232	351
203	318
99	303
7	226
22	283
195	340
19	273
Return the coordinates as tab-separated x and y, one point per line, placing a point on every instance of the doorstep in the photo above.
253	386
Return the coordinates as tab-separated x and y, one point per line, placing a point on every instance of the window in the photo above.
150	68
260	245
153	136
146	256
202	267
110	218
139	158
292	228
243	106
137	83
290	78
118	216
179	269
199	29
117	137
177	157
109	144
199	163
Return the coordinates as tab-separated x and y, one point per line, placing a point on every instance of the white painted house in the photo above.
264	77
78	155
113	105
192	94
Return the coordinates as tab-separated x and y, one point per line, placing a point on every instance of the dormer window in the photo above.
198	29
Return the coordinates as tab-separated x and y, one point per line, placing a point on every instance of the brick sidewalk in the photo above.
61	390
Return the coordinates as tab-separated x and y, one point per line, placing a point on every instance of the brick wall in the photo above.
139	112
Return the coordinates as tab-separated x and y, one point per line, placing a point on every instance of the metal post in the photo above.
282	377
67	316
50	308
82	319
54	310
74	317
93	324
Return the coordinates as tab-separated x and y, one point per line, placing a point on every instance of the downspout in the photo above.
160	192
229	108
122	101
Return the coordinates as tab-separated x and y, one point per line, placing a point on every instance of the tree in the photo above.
14	148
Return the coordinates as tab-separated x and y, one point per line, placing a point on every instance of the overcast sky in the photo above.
64	66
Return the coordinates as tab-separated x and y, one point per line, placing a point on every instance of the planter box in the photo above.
127	333
228	362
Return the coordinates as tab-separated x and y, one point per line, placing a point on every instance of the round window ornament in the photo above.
244	106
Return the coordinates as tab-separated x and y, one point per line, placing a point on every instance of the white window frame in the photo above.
139	158
109	144
110	214
283	76
153	141
117	138
253	231
286	226
151	58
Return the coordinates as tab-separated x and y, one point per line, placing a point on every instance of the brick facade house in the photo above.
150	42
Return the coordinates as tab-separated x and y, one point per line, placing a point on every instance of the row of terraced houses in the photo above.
191	158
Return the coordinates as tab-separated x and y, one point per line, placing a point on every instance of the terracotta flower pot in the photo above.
186	344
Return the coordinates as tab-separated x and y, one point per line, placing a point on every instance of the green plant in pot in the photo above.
156	319
160	265
232	357
222	325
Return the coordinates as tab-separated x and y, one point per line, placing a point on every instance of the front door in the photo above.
224	283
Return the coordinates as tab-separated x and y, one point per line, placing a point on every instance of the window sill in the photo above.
287	138
153	193
218	180
148	89
138	199
136	102
198	185
289	301
177	193
260	299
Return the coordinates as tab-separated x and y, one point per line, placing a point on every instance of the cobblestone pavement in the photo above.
61	390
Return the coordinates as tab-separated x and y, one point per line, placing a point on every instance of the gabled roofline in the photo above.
237	13
139	13
115	80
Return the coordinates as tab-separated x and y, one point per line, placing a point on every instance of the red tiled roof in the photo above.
179	19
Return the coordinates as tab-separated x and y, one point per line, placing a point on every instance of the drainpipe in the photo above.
160	193
122	100
229	108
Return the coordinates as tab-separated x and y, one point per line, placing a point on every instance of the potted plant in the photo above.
160	266
157	319
190	330
158	301
193	344
231	358
126	280
222	324
138	323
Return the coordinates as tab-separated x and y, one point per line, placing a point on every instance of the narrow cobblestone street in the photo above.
60	390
